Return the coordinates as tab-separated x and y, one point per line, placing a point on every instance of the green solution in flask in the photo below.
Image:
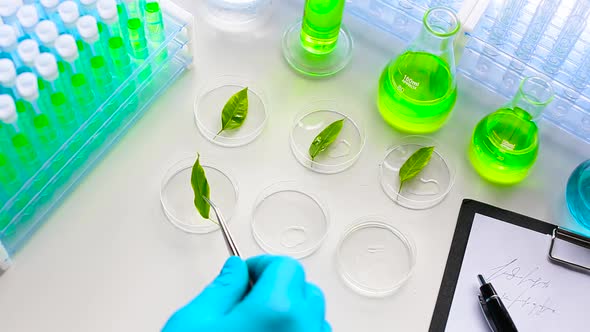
417	90
321	25
505	143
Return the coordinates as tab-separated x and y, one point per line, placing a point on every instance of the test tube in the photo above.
321	25
137	38
88	29
50	9
509	14
83	94
108	12
154	22
28	89
8	10
132	8
88	7
22	145
536	28
28	51
8	42
122	68
69	14
9	179
46	32
28	17
8	75
569	35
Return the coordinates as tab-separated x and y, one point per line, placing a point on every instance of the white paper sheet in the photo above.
539	295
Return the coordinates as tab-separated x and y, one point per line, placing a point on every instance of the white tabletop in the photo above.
108	259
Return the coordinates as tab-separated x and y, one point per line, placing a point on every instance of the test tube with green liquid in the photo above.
138	42
321	25
88	29
108	12
28	89
132	8
83	94
9	178
20	142
155	28
122	69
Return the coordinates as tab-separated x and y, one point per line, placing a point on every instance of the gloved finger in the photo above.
221	295
316	302
327	327
276	276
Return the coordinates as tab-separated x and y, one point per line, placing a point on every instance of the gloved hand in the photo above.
280	300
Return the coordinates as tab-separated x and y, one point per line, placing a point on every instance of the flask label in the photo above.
410	82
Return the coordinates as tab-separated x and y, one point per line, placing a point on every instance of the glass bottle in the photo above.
578	194
417	90
320	26
505	143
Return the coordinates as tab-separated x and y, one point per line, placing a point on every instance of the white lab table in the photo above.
108	259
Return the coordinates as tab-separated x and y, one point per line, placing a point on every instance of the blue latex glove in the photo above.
280	300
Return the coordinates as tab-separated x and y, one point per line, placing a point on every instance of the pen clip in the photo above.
486	313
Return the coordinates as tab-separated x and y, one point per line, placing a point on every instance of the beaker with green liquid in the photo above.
417	90
505	143
319	45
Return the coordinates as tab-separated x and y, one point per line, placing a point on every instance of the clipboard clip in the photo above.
571	237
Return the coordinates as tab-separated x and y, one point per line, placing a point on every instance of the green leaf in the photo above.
235	111
324	139
200	188
414	165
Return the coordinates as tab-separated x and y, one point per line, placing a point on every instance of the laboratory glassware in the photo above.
418	89
578	194
505	143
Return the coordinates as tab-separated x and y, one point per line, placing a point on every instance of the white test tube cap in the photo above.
68	11
88	3
7	37
27	16
50	4
7	72
46	66
28	51
9	7
66	47
107	10
88	28
47	32
27	86
7	109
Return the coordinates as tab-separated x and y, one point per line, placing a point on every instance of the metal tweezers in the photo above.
229	240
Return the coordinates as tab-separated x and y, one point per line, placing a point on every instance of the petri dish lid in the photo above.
238	15
429	187
342	153
288	220
209	106
176	196
374	258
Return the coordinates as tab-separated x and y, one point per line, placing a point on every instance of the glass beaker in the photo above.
578	194
505	143
319	45
417	90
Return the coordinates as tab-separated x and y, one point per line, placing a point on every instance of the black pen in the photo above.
494	310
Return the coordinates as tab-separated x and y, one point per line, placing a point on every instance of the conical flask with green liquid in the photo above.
505	143
417	90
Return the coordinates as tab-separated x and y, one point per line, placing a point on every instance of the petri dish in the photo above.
342	153
237	15
288	220
318	65
209	106
176	196
374	258
429	187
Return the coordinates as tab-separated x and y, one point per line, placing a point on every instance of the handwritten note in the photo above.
539	295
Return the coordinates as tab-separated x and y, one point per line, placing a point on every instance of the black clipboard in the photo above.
469	209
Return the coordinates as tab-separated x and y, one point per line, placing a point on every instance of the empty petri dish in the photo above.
342	153
426	189
374	258
237	15
288	220
318	65
209	106
177	196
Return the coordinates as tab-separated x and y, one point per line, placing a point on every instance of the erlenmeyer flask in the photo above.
505	143
578	194
417	90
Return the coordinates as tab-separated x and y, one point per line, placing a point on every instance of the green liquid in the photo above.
416	92
504	146
321	25
8	176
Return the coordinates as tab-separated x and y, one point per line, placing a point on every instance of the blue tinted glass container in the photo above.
578	194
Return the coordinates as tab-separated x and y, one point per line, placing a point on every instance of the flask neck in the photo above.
440	25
